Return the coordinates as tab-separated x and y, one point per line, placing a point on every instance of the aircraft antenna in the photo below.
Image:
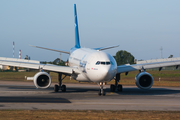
161	51
13	49
60	57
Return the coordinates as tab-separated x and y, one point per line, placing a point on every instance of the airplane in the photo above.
89	65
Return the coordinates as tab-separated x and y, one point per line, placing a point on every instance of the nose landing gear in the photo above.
101	90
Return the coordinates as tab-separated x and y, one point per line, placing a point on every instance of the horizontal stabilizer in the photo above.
62	51
105	48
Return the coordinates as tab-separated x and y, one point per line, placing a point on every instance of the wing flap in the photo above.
20	63
36	65
57	68
128	68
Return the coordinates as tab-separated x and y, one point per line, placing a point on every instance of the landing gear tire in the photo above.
112	88
101	92
119	88
63	88
104	93
56	88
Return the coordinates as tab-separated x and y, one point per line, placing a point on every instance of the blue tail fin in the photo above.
77	44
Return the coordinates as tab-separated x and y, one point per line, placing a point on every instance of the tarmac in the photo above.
24	95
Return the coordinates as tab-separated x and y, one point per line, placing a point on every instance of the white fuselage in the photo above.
95	66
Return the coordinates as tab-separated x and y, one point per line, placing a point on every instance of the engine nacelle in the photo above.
42	80
144	80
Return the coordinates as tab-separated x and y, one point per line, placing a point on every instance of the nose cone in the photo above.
107	73
103	74
102	67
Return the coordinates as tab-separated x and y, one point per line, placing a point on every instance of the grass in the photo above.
87	115
167	78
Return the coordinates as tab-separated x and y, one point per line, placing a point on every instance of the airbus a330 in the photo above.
88	65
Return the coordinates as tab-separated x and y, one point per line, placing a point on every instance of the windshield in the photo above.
103	63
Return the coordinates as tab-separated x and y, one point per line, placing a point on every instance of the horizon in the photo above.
139	27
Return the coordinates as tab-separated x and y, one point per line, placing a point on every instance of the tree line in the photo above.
123	57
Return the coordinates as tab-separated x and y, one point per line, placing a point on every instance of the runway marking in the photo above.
84	97
100	103
91	96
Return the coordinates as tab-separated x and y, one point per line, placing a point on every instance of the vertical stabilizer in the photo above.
77	44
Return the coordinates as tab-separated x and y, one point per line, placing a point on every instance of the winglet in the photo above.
77	44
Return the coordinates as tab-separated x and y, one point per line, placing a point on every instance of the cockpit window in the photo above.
111	63
103	63
108	63
98	62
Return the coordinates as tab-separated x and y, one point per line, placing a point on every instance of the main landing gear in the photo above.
60	86
101	90
116	86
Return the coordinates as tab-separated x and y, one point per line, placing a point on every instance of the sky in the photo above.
140	27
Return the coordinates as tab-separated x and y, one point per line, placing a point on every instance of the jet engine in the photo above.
42	80
144	80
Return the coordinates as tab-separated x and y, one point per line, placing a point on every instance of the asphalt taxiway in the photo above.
24	95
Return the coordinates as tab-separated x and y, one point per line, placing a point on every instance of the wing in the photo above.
36	65
149	64
105	48
63	51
